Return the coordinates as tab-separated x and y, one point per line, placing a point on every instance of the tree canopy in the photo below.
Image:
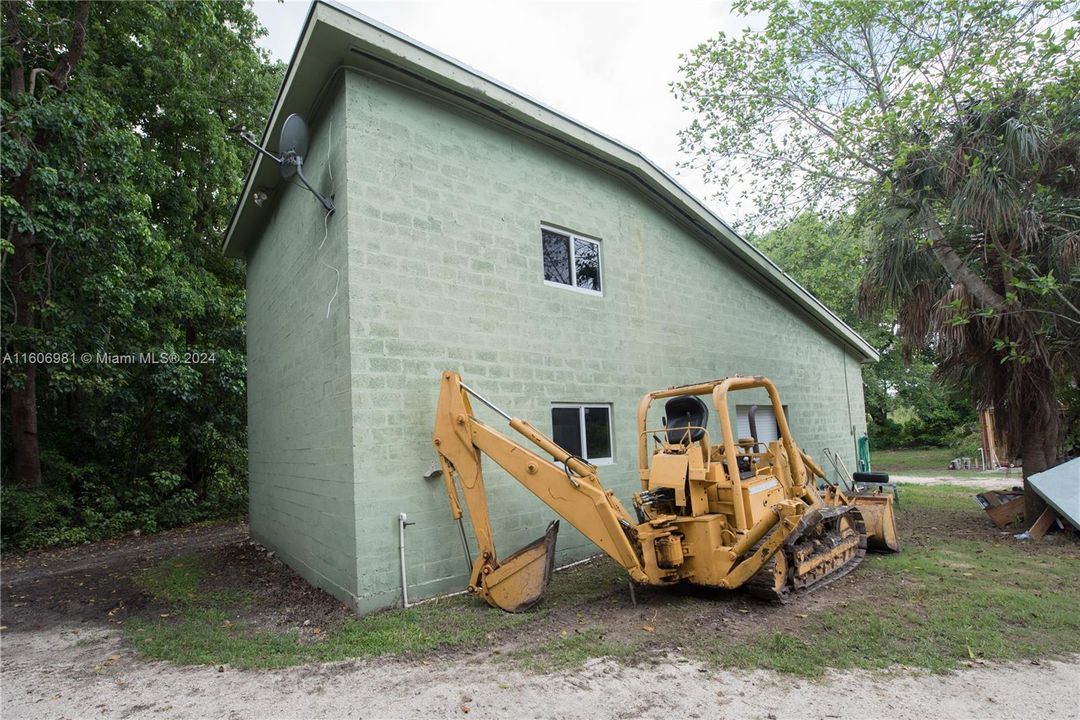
828	258
949	127
119	177
825	103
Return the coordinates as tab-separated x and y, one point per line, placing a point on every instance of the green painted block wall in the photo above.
437	239
446	272
300	438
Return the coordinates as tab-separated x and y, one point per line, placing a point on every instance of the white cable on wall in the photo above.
326	219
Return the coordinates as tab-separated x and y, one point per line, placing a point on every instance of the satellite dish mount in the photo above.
293	146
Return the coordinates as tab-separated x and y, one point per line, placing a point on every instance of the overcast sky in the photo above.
606	64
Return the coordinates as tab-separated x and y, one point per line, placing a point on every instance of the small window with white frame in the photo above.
571	260
583	430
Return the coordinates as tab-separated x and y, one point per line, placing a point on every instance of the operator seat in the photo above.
686	412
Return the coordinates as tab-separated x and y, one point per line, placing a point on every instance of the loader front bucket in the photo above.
521	579
880	520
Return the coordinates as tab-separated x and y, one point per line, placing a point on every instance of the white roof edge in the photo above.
275	110
528	111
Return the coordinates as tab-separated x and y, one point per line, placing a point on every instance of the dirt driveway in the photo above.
63	656
63	673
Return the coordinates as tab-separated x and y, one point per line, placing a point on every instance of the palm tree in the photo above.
980	256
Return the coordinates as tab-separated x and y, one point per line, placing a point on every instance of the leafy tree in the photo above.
26	61
118	181
825	257
1007	171
951	126
828	258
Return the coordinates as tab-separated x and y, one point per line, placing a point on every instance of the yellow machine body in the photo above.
737	513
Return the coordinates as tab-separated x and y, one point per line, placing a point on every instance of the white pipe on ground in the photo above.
403	522
462	592
578	562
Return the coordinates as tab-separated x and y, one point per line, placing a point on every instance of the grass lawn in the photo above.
952	602
208	626
570	650
960	591
203	626
931	462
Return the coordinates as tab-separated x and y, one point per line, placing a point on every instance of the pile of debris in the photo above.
1059	487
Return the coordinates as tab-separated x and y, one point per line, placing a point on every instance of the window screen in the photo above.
571	260
583	430
566	429
557	258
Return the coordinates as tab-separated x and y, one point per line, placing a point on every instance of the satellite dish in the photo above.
293	145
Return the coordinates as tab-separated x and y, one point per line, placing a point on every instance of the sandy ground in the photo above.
991	481
59	673
61	658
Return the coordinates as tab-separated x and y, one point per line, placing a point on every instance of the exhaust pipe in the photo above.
752	422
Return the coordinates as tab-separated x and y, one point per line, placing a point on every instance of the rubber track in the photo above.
761	584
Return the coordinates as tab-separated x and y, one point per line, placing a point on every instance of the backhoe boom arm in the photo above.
572	490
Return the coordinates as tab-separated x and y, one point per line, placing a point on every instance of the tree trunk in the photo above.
1040	430
1035	461
24	423
24	399
27	460
24	416
955	267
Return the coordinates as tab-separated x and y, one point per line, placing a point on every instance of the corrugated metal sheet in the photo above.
1060	488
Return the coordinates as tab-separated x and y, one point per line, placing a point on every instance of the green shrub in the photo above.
80	507
38	518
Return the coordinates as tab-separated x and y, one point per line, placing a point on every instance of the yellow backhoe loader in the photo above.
730	514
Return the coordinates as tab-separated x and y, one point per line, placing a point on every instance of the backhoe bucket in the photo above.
880	520
521	579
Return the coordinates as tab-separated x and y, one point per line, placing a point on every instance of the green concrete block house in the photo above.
477	230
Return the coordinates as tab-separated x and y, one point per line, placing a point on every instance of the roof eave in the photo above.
340	32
